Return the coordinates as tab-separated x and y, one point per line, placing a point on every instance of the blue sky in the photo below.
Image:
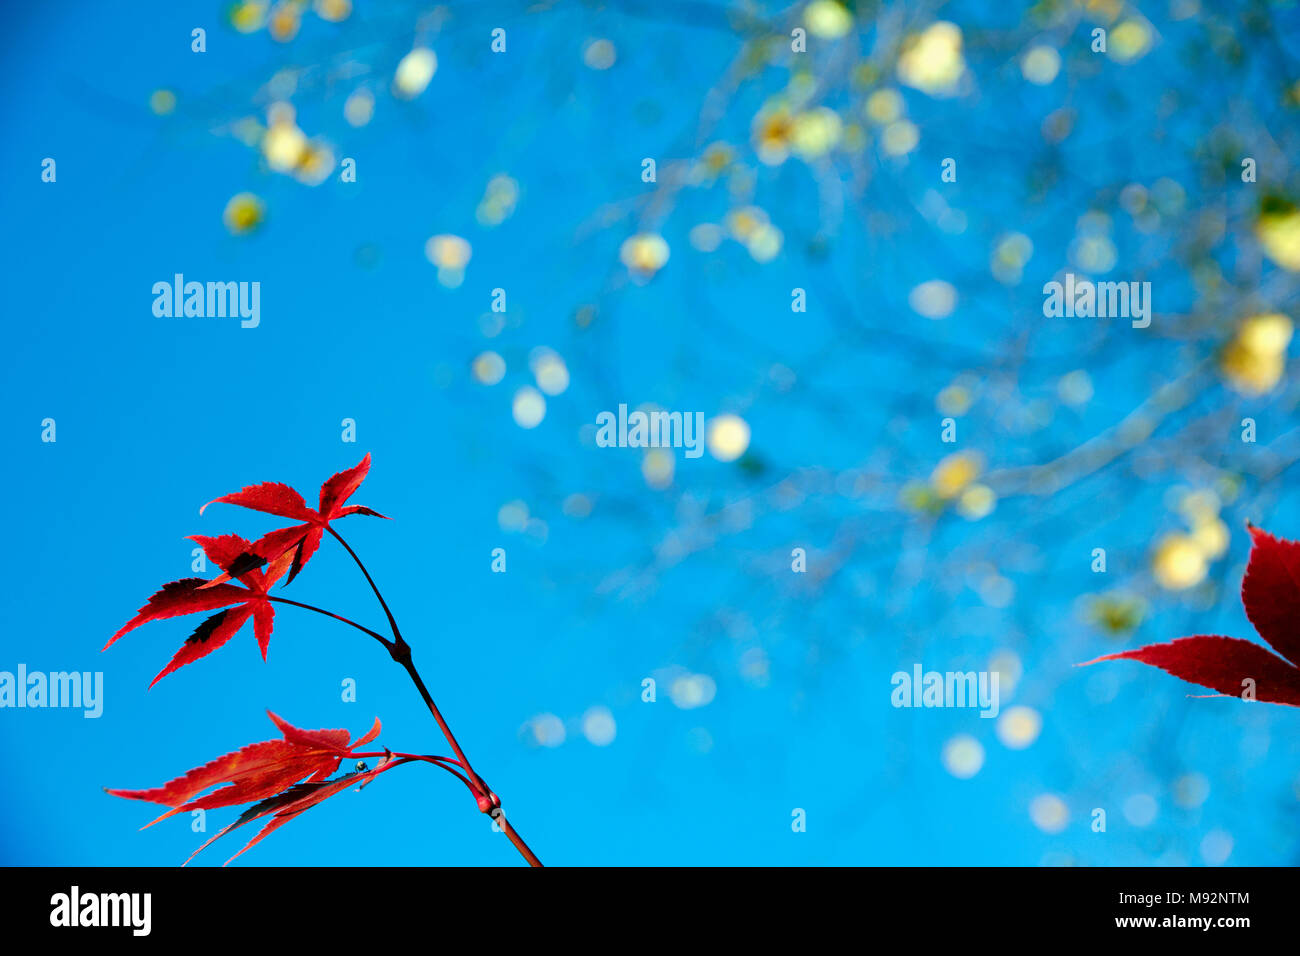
157	415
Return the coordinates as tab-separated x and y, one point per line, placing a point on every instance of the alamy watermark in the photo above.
75	908
946	689
654	429
1086	299
211	300
72	689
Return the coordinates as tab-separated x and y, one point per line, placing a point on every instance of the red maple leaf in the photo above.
285	806
269	772
1270	592
238	559
272	497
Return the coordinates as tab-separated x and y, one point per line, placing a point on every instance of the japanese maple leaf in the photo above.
238	559
257	771
302	540
1270	592
283	807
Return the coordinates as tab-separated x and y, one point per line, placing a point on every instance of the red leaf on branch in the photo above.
271	497
285	806
1270	592
1222	664
257	771
281	500
238	559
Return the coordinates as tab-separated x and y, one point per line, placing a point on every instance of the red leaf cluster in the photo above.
274	498
256	566
268	772
1270	592
283	778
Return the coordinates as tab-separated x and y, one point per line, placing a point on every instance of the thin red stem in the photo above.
370	754
431	758
392	621
407	663
338	617
499	818
407	758
400	651
518	841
